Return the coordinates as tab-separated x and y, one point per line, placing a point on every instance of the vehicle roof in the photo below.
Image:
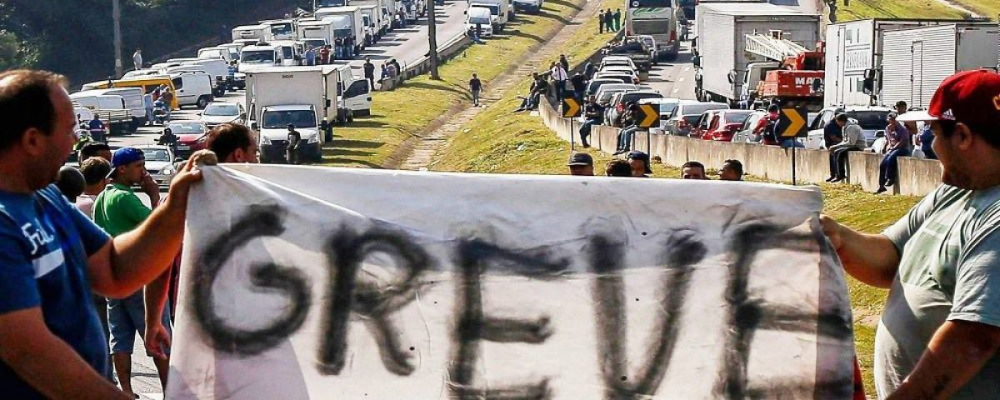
659	100
750	8
478	9
86	93
254	26
644	91
289	107
336	9
260	47
613	58
688	102
616	68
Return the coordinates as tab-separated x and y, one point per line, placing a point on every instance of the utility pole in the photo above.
432	39
116	13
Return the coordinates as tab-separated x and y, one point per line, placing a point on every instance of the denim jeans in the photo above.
838	161
126	317
889	167
585	130
625	138
789	143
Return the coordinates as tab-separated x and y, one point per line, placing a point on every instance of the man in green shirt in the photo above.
939	334
118	210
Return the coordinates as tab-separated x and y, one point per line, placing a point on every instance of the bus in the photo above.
656	18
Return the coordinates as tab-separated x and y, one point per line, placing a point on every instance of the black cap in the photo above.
580	159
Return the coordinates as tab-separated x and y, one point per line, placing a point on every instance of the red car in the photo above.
725	124
190	137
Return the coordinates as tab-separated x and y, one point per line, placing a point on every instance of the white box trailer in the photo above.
260	32
854	51
346	19
721	39
300	96
916	61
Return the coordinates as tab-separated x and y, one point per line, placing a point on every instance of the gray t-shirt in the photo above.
949	270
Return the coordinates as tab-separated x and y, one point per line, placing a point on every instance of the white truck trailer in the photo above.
259	32
347	21
298	96
915	61
854	52
720	58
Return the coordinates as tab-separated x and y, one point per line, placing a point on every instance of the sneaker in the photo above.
831	179
890	183
881	189
837	179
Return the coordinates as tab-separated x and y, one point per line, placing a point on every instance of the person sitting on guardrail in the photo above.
630	121
899	146
592	114
538	88
853	140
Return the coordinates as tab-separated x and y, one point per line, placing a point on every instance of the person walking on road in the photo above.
475	86
938	335
137	59
370	71
294	141
618	19
118	210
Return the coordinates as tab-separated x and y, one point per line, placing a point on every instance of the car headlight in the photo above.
314	139
264	140
167	170
202	139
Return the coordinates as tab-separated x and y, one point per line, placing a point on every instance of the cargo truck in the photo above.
721	59
854	52
299	96
258	32
347	21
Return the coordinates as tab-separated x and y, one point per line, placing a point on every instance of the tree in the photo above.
432	39
14	53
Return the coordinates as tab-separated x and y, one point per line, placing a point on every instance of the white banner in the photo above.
365	284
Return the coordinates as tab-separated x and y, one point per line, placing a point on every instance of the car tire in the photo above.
203	102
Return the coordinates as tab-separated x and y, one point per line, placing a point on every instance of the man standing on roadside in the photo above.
370	72
475	86
137	59
294	140
579	85
324	55
618	19
732	170
118	210
939	333
600	22
581	164
51	255
559	76
609	22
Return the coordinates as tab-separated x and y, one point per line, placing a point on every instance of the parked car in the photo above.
218	113
681	125
726	124
665	105
596	84
745	134
606	91
625	78
650	43
616	108
159	163
620	69
872	120
618	60
704	124
686	108
190	137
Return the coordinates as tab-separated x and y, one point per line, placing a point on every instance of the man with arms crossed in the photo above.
940	330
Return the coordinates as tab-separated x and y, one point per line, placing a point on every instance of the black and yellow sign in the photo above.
571	108
793	122
650	115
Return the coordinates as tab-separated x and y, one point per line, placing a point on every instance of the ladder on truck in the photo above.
772	46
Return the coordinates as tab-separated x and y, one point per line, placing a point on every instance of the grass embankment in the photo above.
405	112
986	8
864	9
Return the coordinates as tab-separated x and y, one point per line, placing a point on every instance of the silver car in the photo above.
159	163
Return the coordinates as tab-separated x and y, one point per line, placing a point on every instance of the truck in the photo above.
854	52
299	96
354	94
371	18
656	18
347	21
720	55
281	29
387	9
528	6
110	108
499	11
263	55
321	29
915	61
786	73
258	32
133	101
412	9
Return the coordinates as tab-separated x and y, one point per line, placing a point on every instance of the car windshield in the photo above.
870	120
691	119
153	154
736	117
284	28
345	32
494	9
281	119
257	56
210	54
186	128
314	43
222	110
651	3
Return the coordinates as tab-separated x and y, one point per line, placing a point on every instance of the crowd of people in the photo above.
938	337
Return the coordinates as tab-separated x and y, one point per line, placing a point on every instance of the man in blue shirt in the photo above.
51	255
96	129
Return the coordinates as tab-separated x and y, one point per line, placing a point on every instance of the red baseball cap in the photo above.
969	97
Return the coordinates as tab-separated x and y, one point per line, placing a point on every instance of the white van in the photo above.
214	53
193	88
110	108
498	10
133	101
481	16
357	97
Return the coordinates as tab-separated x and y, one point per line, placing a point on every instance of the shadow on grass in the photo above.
536	38
565	3
349	161
335	152
366	122
435	86
557	17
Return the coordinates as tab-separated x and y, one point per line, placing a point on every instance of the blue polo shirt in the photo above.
44	245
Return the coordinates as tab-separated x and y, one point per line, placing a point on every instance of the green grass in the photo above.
986	8
864	9
405	112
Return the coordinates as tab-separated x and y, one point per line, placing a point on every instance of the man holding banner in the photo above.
939	334
51	255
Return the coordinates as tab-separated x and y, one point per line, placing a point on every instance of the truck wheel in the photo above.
203	102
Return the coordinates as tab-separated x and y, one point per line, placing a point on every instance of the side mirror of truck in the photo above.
732	76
